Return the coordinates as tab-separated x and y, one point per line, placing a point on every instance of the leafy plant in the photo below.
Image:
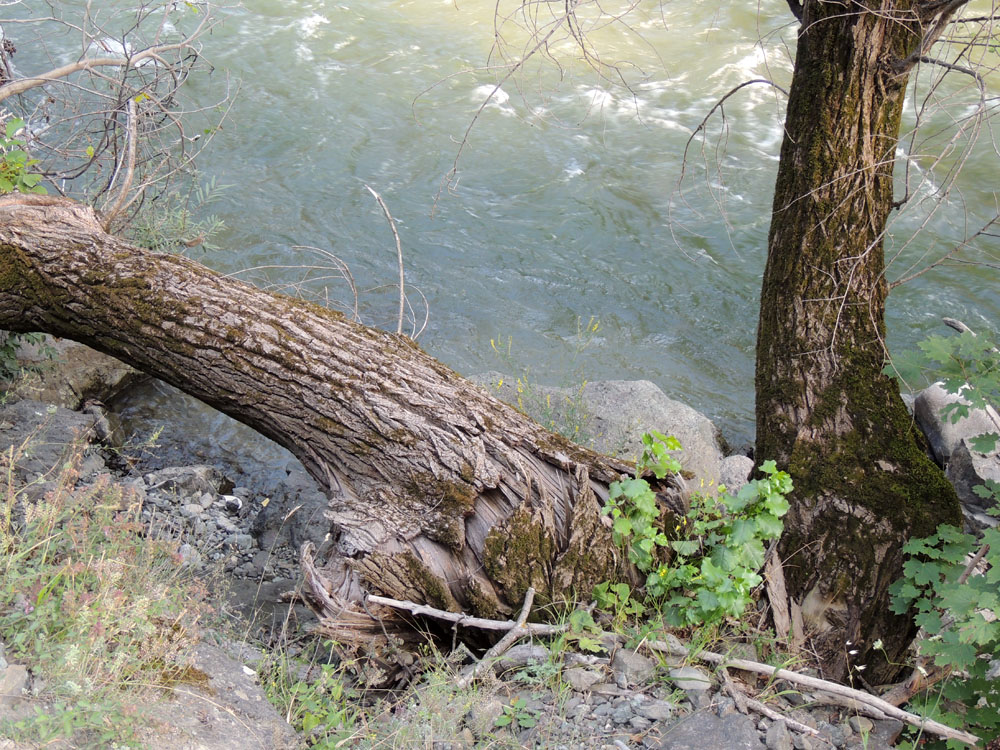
718	545
171	223
721	549
632	502
15	165
583	631
957	610
10	344
517	715
320	709
959	613
617	599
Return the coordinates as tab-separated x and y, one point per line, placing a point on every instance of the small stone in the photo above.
191	510
861	724
602	710
622	713
13	681
656	710
206	500
888	730
580	679
778	737
832	732
691	679
225	524
791	693
704	730
635	668
700	699
640	723
724	705
606	688
802	742
190	557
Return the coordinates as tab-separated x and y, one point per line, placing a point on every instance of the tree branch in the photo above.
22	85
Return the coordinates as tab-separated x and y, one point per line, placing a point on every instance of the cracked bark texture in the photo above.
438	492
825	412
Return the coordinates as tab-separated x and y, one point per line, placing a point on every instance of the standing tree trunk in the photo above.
825	411
439	493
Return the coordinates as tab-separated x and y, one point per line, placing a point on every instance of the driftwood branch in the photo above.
510	638
111	213
462	620
814	683
745	703
830	691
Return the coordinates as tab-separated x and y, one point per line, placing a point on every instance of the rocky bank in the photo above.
537	696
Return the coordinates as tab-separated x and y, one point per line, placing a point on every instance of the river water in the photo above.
573	202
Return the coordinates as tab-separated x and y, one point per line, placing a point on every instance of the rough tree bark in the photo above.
439	493
863	484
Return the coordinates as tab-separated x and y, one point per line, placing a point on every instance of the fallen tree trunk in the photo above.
438	493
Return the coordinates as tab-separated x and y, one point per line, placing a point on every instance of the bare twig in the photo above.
399	256
814	683
111	213
510	638
466	621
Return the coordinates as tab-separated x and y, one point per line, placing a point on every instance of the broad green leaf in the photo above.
769	526
929	621
684	546
984	443
743	531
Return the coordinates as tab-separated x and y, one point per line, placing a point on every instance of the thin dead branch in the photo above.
399	256
830	692
517	632
814	683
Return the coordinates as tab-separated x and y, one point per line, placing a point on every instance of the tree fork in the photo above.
438	492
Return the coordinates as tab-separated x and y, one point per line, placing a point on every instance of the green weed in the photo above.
15	164
86	601
718	546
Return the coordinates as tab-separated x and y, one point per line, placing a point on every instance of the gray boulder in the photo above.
951	446
968	469
943	435
735	472
704	729
296	512
229	711
74	373
44	436
612	415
